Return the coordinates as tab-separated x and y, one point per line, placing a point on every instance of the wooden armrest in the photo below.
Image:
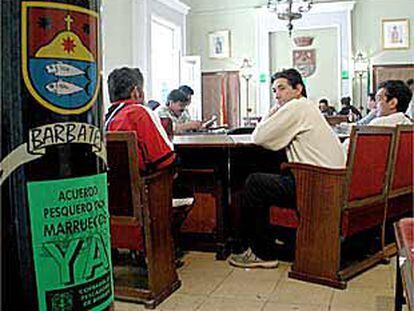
124	221
312	169
317	189
157	175
197	171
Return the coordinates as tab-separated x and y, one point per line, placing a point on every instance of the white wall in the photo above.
367	29
127	33
367	34
325	81
116	48
239	17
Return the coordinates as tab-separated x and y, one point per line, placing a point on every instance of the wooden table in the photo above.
216	166
404	235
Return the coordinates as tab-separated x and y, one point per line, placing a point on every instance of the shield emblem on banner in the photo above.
60	55
305	62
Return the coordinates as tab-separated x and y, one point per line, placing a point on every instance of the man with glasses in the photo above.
410	110
392	99
391	102
176	110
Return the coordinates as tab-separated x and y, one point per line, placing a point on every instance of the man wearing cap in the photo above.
176	109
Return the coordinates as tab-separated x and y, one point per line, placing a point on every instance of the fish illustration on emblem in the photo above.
60	54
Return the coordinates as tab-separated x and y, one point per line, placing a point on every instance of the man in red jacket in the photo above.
127	113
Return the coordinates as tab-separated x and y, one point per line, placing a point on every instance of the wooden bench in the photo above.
333	205
400	195
404	233
141	211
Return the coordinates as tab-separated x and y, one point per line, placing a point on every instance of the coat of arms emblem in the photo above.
60	55
305	62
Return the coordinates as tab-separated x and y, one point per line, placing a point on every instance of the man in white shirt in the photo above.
176	110
297	125
410	109
392	100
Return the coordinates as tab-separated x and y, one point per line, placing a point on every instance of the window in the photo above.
165	53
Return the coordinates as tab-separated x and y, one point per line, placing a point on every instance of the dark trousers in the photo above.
261	191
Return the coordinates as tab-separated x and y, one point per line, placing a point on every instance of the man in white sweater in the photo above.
392	100
296	124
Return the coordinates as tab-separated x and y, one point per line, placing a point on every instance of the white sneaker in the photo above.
248	259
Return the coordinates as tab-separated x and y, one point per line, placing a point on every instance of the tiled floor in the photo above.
209	285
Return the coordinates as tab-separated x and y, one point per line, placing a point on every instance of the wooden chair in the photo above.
335	204
141	209
334	120
401	185
400	197
404	282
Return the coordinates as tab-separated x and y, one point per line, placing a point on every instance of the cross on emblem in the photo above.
68	20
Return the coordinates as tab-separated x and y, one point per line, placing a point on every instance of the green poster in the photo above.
71	243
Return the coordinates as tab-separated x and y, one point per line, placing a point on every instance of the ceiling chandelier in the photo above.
289	10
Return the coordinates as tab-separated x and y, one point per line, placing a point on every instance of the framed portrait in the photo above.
395	33
219	44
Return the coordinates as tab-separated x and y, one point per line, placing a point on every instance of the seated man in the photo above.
188	92
349	110
325	109
155	150
296	124
153	104
127	113
410	109
392	98
176	110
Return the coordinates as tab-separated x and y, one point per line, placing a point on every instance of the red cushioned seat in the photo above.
333	204
369	166
401	190
126	235
403	171
285	217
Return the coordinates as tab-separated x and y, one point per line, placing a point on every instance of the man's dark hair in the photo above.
410	82
371	96
346	101
188	91
176	96
293	76
153	104
323	100
121	82
399	90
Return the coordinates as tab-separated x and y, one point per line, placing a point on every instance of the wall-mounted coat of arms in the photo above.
305	61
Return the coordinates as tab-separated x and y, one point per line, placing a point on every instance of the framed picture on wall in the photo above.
395	34
219	44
